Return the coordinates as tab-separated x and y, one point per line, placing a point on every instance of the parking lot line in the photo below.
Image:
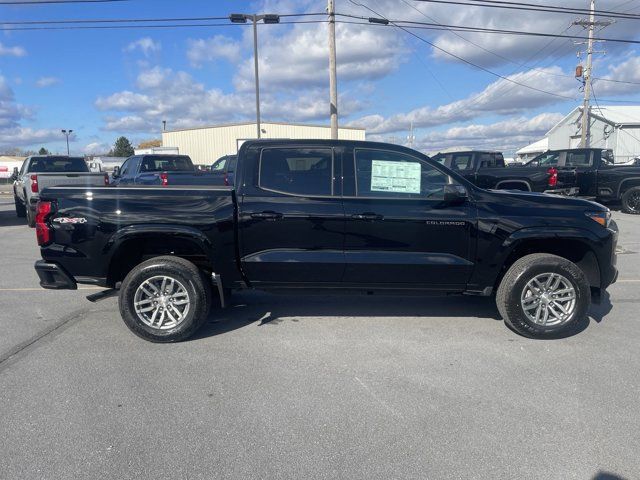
33	289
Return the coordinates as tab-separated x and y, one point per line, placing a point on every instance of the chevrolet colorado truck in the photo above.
40	171
487	169
327	215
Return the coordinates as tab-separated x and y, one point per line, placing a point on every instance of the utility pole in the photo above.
411	136
588	71
584	140
333	77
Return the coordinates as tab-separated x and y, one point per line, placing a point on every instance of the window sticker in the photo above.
399	177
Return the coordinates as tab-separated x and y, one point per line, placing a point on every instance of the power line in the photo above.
464	60
533	8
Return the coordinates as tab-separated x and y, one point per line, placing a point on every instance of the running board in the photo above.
96	297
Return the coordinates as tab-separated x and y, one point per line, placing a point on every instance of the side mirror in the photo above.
116	172
455	194
15	174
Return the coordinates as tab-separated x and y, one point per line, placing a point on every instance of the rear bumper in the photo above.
55	277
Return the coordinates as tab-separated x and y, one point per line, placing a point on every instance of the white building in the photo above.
206	144
614	127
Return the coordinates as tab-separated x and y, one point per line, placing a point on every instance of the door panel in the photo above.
287	235
400	239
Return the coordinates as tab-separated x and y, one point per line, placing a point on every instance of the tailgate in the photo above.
70	179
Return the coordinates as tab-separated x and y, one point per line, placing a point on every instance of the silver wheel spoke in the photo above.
548	299
161	302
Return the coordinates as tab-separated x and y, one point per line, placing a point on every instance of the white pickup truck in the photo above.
39	172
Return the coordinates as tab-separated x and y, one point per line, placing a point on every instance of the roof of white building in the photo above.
541	145
618	114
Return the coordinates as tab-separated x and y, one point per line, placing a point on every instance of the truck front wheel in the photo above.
543	296
165	299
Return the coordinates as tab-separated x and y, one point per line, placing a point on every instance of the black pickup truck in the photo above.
328	216
487	169
592	173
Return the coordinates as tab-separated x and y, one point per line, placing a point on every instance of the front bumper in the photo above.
55	277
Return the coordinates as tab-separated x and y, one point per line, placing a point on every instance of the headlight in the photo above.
603	218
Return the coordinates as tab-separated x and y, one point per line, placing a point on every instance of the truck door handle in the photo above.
367	216
267	215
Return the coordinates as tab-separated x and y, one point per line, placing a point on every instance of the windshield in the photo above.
166	163
228	163
57	165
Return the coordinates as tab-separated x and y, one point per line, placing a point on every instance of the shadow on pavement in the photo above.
270	309
607	476
8	217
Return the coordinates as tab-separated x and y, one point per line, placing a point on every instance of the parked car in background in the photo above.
159	169
39	172
593	173
487	169
328	215
223	169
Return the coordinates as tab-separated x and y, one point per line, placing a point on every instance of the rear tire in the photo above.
529	304
31	217
21	211
169	315
631	201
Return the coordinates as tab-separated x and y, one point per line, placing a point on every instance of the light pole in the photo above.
66	134
266	18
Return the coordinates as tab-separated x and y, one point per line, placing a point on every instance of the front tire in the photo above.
631	201
21	211
165	299
543	296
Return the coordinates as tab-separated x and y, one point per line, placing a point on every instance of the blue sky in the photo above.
106	83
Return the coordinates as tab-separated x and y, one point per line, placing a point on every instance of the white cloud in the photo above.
12	51
43	82
146	45
95	148
209	49
500	97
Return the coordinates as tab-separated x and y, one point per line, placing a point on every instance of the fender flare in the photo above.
143	230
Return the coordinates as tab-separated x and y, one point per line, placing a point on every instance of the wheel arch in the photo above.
133	245
520	182
628	183
573	245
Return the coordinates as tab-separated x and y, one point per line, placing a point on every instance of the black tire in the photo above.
31	217
197	286
631	201
21	211
508	297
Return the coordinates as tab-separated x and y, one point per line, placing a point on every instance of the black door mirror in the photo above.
116	172
15	174
455	194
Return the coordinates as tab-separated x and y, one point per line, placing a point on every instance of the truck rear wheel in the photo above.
165	299
21	212
543	296
631	201
31	217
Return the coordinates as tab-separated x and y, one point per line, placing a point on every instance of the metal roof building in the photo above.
206	144
615	127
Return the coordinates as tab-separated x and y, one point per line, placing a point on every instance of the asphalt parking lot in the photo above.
314	386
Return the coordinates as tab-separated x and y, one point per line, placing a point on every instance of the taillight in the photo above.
553	176
43	232
34	183
164	178
106	179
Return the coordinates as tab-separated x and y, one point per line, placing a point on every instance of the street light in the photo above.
266	18
66	134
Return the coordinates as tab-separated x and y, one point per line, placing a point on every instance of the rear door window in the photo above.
549	159
297	171
461	162
382	173
578	159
